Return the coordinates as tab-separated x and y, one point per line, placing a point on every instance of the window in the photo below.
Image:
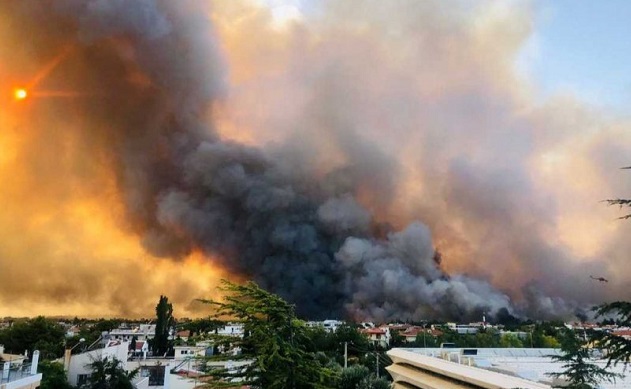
82	379
155	374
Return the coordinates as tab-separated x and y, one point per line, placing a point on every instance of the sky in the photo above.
327	150
582	47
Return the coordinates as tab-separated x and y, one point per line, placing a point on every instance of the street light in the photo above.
82	340
68	354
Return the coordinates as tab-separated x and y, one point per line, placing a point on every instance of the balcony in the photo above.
19	376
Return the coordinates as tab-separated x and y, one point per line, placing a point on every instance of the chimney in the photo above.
67	355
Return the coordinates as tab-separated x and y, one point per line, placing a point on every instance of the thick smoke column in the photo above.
155	72
159	69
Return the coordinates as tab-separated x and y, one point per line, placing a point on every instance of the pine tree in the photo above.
579	372
275	342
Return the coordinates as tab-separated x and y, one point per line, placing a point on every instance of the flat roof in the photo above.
454	371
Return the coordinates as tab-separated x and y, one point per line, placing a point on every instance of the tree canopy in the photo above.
164	323
109	374
53	376
275	342
578	371
34	334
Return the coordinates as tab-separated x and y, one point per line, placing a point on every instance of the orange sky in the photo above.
433	91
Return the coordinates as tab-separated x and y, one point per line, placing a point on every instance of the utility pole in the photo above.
345	355
377	358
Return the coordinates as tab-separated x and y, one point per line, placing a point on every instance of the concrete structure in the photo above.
414	370
529	364
328	325
20	375
231	329
142	332
77	366
184	352
155	371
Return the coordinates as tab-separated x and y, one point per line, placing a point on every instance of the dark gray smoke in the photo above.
154	70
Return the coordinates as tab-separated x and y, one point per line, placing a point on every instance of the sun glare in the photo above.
20	94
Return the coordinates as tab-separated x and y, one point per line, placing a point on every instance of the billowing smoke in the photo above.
318	215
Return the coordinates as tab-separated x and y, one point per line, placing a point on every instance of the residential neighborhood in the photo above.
194	352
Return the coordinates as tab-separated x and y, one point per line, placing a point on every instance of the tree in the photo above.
274	340
372	382
618	348
622	202
351	377
164	323
53	376
579	372
34	334
109	374
511	340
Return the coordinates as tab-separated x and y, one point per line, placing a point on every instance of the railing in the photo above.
10	373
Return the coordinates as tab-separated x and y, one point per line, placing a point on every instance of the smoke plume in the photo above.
326	158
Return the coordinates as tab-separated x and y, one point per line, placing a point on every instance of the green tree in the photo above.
398	340
34	334
164	323
511	340
618	348
372	382
274	340
486	338
109	374
53	376
578	371
351	377
376	361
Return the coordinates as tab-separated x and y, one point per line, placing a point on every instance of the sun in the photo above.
20	94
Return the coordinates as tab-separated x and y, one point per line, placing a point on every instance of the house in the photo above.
184	335
15	374
184	352
378	336
412	333
140	349
328	325
625	333
77	366
231	329
142	332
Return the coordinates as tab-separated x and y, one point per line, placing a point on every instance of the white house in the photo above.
231	329
19	375
77	366
184	352
142	332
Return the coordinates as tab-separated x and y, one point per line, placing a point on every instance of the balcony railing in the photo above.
10	373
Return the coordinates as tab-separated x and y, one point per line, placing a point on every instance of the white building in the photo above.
77	366
231	329
19	375
411	370
483	368
328	325
184	352
142	332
